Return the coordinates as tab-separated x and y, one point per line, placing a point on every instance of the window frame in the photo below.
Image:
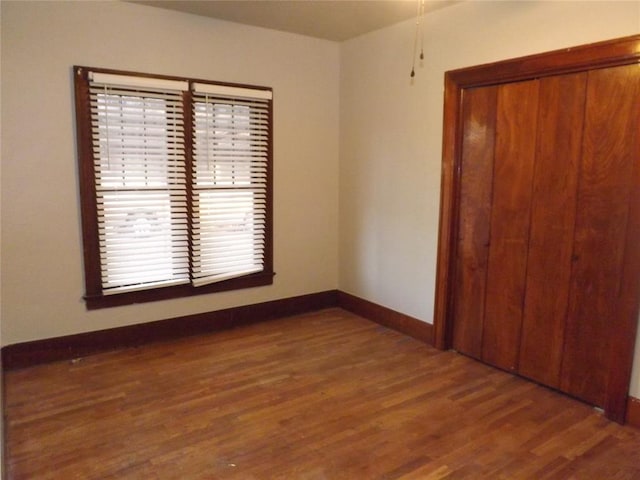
94	296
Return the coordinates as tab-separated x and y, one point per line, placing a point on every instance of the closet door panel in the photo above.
623	336
476	180
510	216
553	210
605	182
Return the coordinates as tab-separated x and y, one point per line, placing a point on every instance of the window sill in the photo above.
95	302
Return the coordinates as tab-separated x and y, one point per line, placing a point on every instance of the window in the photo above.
175	184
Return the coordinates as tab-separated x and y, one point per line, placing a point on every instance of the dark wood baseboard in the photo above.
386	317
27	354
73	346
633	412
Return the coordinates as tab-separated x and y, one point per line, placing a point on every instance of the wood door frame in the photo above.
617	52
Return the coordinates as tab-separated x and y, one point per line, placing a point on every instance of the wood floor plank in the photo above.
320	396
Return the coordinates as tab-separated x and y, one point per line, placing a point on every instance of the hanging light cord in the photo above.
420	31
422	7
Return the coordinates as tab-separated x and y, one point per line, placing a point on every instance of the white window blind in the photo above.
137	129
170	215
229	181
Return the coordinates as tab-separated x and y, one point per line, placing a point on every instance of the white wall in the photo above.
391	132
42	272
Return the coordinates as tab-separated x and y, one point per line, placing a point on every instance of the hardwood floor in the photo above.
320	396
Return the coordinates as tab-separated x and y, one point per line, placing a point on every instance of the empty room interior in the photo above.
320	239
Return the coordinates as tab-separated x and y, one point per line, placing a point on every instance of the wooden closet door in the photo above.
510	219
539	247
558	150
498	151
611	150
476	182
548	174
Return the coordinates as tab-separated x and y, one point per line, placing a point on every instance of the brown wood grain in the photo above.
386	317
619	51
447	220
604	193
87	182
27	354
326	395
628	305
474	219
633	412
602	55
558	150
510	218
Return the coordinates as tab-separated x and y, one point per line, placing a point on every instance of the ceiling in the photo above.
335	20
